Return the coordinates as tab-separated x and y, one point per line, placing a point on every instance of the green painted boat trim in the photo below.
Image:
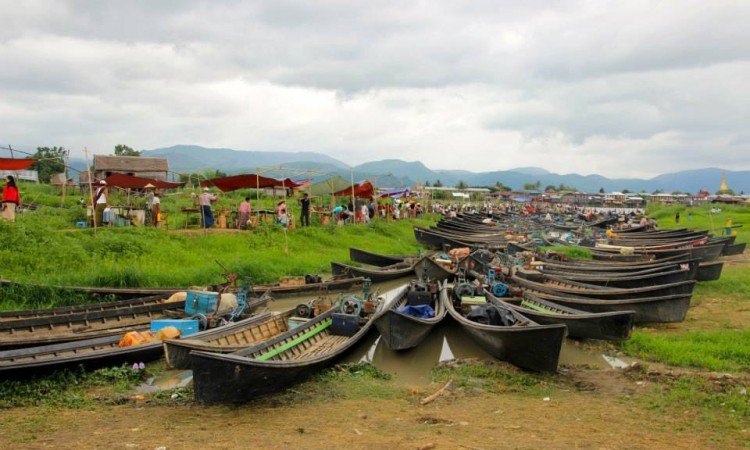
539	308
268	355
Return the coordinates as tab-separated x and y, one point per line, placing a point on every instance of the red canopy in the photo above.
249	181
128	181
362	190
15	164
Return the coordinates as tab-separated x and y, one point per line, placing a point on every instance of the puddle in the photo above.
171	379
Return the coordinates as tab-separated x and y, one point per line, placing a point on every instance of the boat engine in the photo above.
351	305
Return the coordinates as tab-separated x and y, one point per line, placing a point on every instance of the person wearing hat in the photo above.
11	199
205	200
101	201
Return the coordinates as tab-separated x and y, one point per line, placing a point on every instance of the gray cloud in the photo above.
553	84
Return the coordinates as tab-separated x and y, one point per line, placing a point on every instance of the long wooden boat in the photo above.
734	249
525	344
399	329
377	259
336	284
376	275
277	289
610	325
649	309
604	292
101	292
40	330
278	363
89	324
227	339
85	308
709	271
91	353
627	280
427	268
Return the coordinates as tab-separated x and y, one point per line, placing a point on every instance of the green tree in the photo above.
427	183
461	185
550	188
532	186
438	183
601	190
49	161
124	150
500	187
626	191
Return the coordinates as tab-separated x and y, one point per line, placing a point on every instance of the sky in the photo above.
624	89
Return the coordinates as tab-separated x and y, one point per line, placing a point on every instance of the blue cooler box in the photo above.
186	326
200	302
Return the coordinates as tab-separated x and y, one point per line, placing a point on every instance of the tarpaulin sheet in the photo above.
249	181
363	190
15	164
122	180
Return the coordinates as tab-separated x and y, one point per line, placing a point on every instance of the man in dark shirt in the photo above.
304	218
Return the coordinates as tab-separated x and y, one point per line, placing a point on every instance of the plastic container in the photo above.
200	302
186	326
345	324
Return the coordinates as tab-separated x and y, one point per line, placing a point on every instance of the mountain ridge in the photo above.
397	172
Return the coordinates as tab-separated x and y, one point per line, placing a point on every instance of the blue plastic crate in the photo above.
200	302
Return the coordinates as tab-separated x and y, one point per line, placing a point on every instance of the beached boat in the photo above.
375	274
276	364
377	259
506	334
610	325
229	338
84	323
648	309
409	316
90	353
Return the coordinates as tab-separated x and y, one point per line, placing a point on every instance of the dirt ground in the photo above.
583	408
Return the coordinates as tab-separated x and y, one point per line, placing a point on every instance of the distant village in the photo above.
158	169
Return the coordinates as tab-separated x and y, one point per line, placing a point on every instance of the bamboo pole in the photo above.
91	189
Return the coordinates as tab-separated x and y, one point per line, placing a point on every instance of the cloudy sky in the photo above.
622	88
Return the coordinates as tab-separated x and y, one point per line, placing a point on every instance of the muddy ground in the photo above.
580	407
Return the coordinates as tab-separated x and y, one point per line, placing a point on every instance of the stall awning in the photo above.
395	193
15	164
361	190
250	181
122	180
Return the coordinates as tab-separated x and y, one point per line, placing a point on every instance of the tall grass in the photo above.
44	247
718	351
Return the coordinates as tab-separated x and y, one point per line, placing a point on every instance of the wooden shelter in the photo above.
137	166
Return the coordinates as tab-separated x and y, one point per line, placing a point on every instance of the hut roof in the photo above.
130	163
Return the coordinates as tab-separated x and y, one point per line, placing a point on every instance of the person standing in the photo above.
205	201
11	199
155	209
244	213
101	202
304	218
677	217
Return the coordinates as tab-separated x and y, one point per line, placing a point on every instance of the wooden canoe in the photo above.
609	325
400	330
526	344
227	339
275	364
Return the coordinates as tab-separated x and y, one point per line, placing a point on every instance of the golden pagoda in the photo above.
724	189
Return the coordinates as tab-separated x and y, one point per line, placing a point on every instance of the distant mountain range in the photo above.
396	173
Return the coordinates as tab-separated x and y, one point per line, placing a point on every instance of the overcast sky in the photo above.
623	88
